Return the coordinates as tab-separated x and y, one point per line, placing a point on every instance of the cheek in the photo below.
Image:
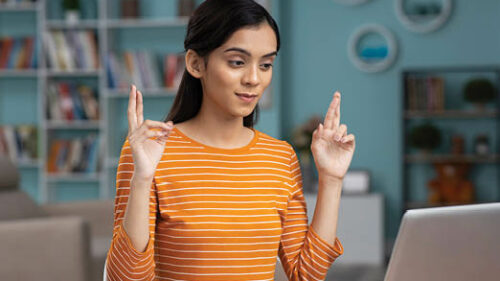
223	78
267	77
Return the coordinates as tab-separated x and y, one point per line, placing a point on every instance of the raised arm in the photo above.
131	255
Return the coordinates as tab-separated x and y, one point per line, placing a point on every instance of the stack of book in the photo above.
70	50
145	70
70	101
19	143
73	155
425	93
17	53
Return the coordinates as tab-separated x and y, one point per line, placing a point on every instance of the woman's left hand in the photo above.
331	147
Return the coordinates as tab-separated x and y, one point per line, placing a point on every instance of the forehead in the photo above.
258	40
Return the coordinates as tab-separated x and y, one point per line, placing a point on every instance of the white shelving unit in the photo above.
102	25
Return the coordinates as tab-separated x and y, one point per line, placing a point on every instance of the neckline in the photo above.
220	149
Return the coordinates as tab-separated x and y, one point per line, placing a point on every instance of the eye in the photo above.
267	66
236	62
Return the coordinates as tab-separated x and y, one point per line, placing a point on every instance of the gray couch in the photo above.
59	241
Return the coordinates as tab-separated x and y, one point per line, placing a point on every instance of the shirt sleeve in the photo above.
303	253
124	262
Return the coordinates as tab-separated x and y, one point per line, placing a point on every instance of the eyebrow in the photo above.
248	53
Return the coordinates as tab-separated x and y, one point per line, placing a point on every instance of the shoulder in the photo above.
282	145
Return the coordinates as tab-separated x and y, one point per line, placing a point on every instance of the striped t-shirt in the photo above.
220	214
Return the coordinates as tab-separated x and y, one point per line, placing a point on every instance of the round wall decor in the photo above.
372	57
423	17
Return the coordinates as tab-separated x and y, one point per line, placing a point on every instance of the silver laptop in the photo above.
459	243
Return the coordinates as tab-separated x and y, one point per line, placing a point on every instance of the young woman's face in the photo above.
241	67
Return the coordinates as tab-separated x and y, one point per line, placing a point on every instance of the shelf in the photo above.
73	124
141	23
451	69
452	114
420	205
74	73
29	73
113	93
73	177
28	164
62	24
439	158
18	7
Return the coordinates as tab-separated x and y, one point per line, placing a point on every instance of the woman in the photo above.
205	196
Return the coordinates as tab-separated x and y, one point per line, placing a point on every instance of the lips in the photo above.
246	97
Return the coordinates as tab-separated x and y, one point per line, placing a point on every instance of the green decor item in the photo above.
71	5
425	137
479	90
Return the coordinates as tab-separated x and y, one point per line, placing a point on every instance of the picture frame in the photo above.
417	23
354	40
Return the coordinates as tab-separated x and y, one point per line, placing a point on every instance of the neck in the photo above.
218	129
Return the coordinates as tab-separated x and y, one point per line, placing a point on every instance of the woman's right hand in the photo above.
146	138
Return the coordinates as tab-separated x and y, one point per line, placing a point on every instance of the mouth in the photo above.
247	97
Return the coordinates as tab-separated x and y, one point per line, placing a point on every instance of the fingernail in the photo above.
337	138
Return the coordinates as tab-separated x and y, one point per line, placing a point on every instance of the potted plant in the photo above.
301	140
425	137
479	91
72	10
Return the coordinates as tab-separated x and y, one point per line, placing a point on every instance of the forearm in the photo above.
136	218
326	211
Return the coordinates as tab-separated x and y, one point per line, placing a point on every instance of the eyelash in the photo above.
233	62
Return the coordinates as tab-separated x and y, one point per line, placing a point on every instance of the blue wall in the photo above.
315	64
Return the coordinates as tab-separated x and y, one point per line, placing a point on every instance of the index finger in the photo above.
332	117
132	110
336	117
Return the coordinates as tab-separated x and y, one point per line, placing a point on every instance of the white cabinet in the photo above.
360	227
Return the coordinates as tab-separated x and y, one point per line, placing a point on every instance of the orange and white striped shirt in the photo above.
220	214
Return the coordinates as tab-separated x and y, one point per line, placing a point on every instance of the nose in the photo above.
251	76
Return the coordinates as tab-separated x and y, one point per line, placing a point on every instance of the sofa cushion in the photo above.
18	205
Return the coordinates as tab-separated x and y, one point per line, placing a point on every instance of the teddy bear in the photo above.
451	186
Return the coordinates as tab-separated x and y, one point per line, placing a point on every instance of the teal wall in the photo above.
312	64
315	36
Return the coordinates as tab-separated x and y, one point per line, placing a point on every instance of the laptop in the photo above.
459	243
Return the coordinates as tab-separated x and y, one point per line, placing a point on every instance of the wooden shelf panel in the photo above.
141	23
420	205
468	158
73	124
73	177
452	114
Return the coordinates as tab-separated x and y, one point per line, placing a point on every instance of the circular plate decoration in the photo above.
423	17
375	56
351	2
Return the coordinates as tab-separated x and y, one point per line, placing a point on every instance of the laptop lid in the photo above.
448	243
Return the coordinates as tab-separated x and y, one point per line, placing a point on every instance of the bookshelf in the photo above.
111	33
435	95
157	29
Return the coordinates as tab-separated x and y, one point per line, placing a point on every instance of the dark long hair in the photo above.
211	24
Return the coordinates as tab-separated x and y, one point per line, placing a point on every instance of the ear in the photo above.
194	64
